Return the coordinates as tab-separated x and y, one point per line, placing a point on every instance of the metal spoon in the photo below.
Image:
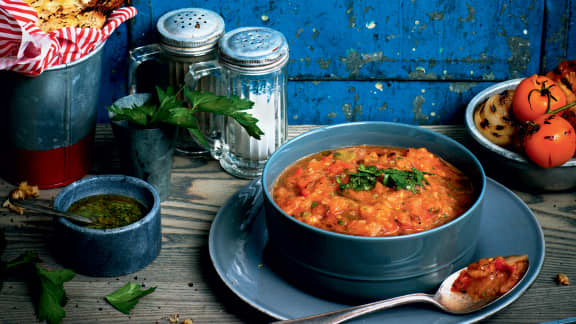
444	298
49	211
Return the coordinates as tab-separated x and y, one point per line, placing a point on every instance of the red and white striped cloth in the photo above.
27	49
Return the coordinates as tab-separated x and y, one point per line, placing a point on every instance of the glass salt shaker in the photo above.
187	36
252	64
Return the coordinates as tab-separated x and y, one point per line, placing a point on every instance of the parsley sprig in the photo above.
167	108
125	298
47	286
366	177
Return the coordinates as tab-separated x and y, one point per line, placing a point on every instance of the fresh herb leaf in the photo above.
47	286
404	179
366	177
167	108
53	296
125	298
134	115
232	106
27	257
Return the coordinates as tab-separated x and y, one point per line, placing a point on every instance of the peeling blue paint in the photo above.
436	15
348	112
462	87
323	63
520	58
418	116
471	13
406	46
420	74
299	32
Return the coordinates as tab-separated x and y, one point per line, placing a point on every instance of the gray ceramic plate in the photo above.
237	252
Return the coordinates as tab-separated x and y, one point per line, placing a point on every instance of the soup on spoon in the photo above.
464	291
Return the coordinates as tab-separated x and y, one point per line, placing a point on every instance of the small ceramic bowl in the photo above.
509	167
108	252
345	267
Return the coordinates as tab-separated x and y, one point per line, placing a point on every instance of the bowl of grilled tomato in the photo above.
525	130
368	210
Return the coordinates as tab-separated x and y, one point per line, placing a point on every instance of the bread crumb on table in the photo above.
18	210
562	279
24	191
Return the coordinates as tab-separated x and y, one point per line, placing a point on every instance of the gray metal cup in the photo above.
145	153
48	121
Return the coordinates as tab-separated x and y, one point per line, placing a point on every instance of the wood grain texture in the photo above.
187	282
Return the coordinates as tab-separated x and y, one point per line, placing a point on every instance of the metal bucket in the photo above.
48	122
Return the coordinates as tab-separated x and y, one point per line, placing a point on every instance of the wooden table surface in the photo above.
187	283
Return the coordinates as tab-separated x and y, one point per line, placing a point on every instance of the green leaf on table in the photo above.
27	257
52	297
125	298
47	287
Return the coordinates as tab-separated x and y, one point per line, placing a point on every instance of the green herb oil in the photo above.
109	211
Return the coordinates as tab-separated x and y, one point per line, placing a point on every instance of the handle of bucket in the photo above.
138	56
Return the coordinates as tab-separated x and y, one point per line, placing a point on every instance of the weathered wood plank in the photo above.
406	40
417	102
114	69
559	33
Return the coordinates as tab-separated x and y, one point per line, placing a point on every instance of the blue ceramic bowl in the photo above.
345	267
108	252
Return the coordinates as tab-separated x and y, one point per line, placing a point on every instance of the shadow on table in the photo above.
231	302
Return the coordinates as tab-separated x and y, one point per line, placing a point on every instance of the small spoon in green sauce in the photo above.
49	211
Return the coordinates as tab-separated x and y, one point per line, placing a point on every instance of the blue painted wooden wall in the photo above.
411	61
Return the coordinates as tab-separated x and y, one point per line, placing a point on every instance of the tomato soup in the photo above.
374	191
491	277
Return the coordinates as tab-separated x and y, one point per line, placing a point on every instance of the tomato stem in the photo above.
543	91
555	111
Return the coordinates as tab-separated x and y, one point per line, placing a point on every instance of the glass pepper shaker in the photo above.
187	36
252	64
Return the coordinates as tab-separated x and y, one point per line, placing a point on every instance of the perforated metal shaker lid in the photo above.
190	31
253	49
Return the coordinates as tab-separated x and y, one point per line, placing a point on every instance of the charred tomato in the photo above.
535	96
550	141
